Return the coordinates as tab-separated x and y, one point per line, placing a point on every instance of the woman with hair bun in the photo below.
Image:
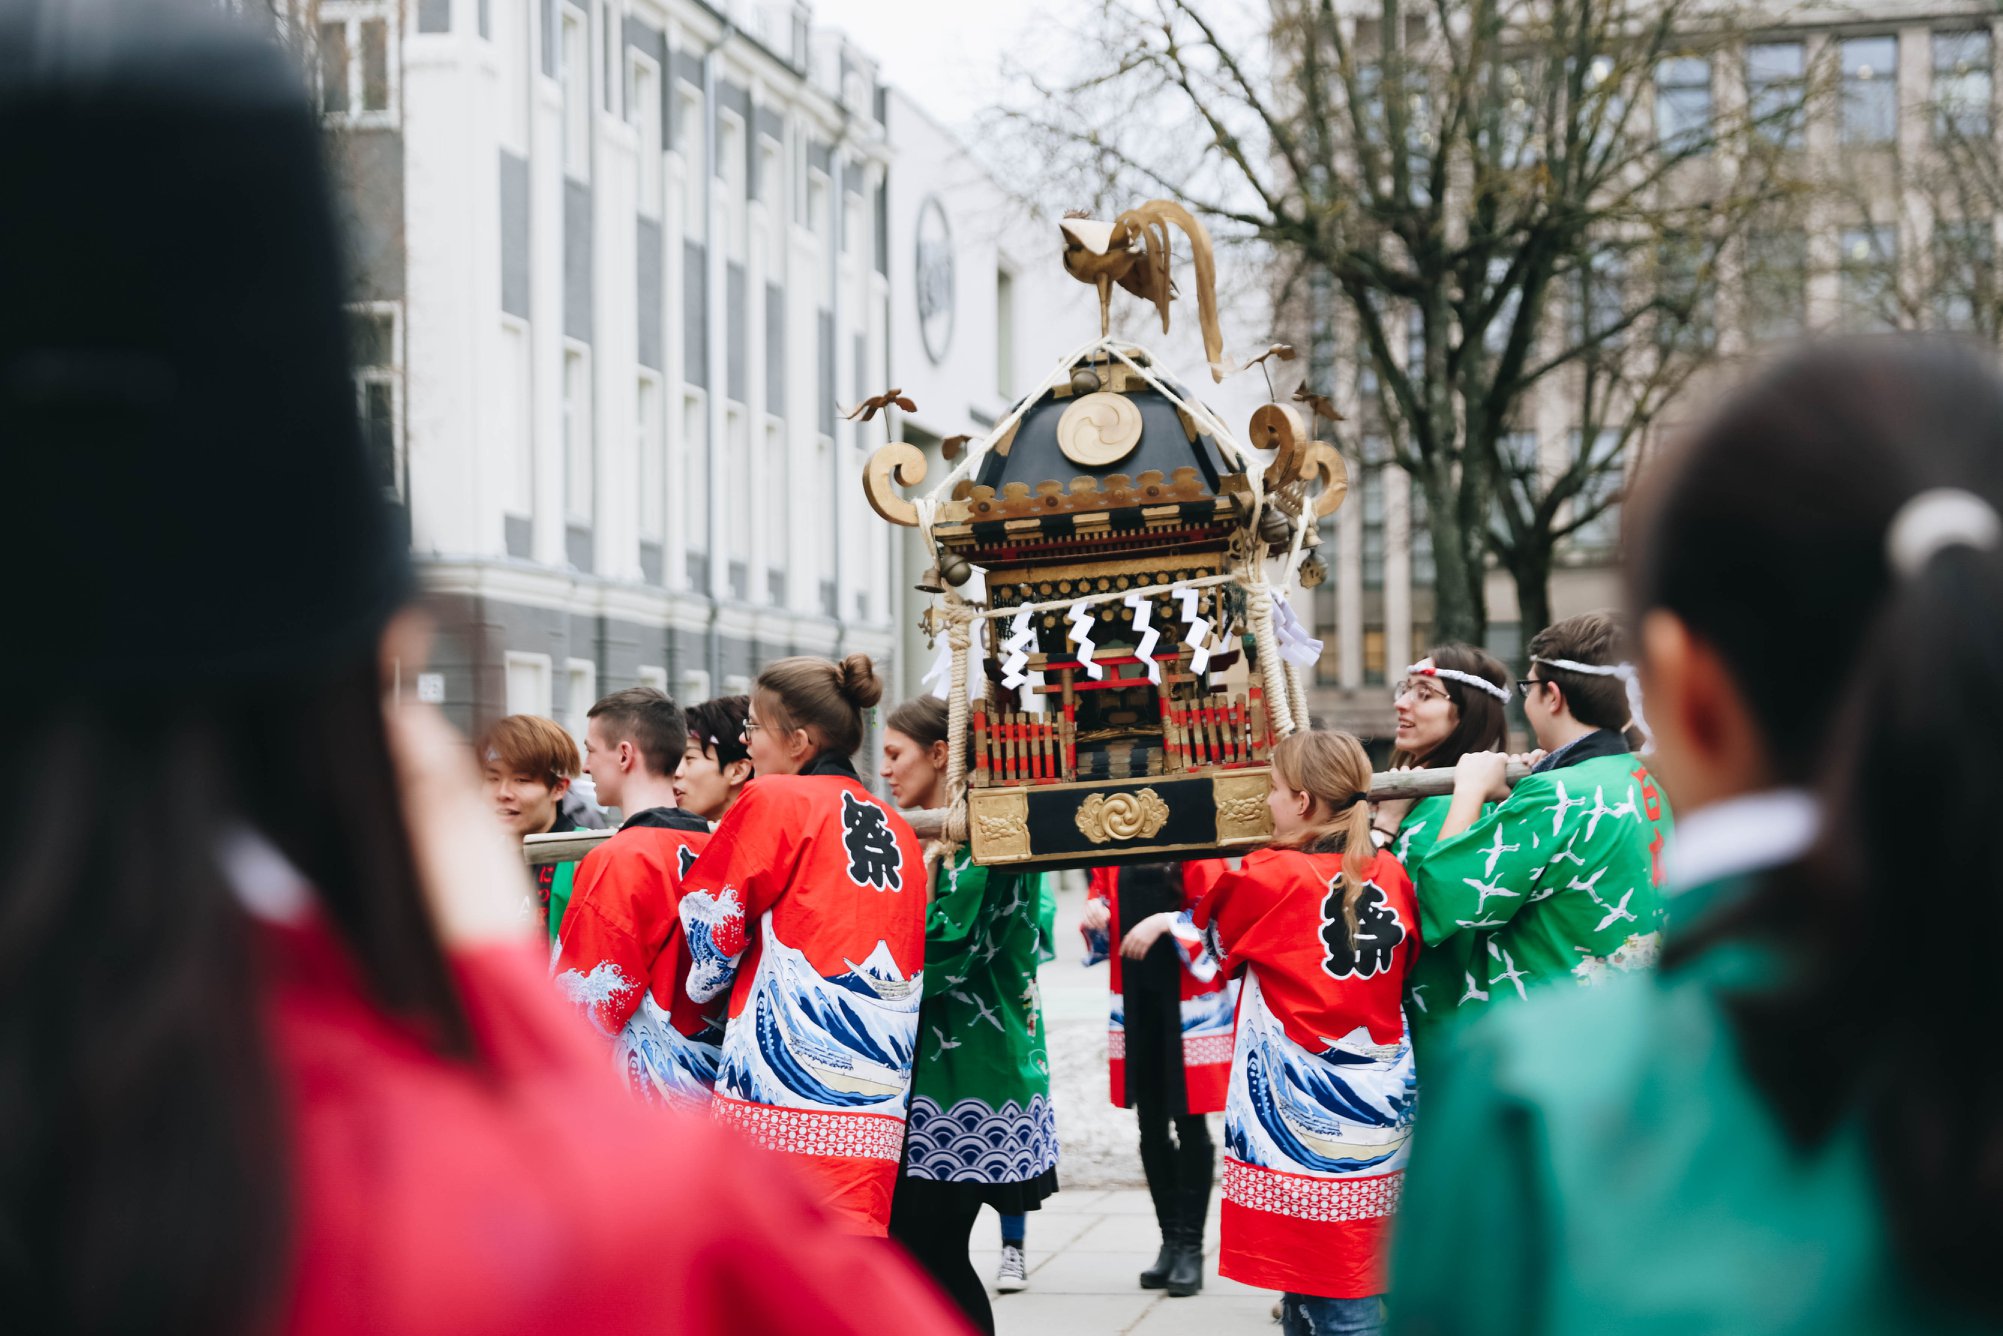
808	908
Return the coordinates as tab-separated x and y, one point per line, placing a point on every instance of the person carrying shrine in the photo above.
807	910
622	958
1168	1045
527	764
1450	703
1560	880
1323	928
982	1129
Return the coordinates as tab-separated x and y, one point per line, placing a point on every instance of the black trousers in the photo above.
935	1223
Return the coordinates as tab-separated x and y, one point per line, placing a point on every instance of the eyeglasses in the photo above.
1523	684
750	726
1423	690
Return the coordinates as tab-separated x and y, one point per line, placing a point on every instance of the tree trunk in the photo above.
1531	569
1460	610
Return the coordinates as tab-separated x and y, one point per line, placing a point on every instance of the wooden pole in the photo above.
570	846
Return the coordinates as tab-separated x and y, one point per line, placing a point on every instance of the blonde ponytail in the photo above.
1334	771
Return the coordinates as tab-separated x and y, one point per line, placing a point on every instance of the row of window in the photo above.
1868	110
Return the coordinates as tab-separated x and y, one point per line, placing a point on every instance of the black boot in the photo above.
1158	1163
1185	1276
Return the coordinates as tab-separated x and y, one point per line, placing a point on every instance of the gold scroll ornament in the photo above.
1122	816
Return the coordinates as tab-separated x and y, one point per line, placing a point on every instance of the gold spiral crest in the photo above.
1122	816
1099	429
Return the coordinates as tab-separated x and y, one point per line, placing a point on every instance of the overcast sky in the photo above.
946	54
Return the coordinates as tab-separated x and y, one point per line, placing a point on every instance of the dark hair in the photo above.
923	719
1479	722
1591	637
649	719
530	744
146	1181
1791	491
718	728
821	695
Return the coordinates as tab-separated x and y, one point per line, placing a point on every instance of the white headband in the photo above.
1625	672
1425	668
1936	520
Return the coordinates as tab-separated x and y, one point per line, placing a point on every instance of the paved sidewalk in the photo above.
1086	1249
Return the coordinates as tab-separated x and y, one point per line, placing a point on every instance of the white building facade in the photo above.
617	261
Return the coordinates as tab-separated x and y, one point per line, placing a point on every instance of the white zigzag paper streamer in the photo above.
1015	650
1080	619
1198	639
939	676
1296	645
1143	607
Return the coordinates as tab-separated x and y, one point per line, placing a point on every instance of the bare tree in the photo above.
1486	183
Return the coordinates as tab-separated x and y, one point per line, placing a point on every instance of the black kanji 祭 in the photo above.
872	849
1367	948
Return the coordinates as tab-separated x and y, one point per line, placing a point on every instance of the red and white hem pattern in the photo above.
847	1136
1307	1233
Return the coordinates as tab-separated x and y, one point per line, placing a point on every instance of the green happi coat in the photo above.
980	1088
1557	883
1434	987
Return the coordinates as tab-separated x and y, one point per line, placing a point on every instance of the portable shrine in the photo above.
1116	695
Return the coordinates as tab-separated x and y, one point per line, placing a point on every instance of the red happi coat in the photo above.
808	908
1207	997
1319	1118
623	959
520	1192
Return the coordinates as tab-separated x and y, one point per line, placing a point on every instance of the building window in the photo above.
695	486
1867	274
1683	104
1774	91
738	496
1517	454
1599	301
520	427
528	686
1963	85
575	62
1424	573
1415	342
1687	317
655	676
377	380
511	50
1599	535
357	76
776	490
730	176
1870	90
653	479
1004	334
695	164
577	435
580	693
1374	649
1964	278
772	189
819	220
1375	452
695	686
1776	285
643	112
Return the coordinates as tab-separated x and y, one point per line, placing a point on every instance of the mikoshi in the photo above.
1115	693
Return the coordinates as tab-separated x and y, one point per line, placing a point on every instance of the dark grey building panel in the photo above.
687	66
821	157
486	20
653	43
882	220
737	333
824	336
577	266
862	387
549	38
775	350
695	313
514	234
647	274
434	15
698	570
771	125
577	546
740	658
369	170
734	98
520	536
653	563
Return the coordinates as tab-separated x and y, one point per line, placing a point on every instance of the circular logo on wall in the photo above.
934	279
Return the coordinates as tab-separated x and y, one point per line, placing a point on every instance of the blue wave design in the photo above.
1345	1110
973	1142
664	1066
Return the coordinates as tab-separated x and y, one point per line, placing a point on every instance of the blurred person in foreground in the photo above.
276	1053
1797	1126
527	763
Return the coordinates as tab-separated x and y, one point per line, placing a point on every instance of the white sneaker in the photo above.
1012	1275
